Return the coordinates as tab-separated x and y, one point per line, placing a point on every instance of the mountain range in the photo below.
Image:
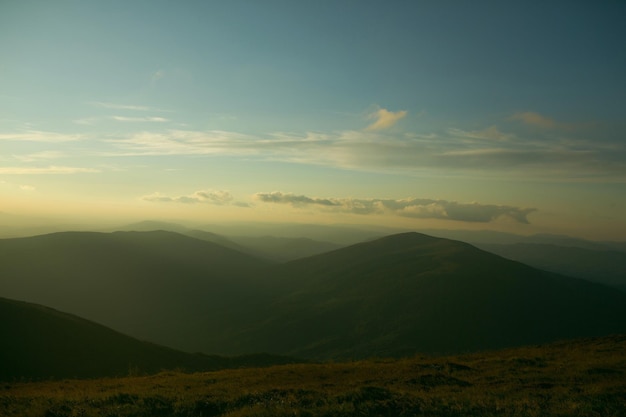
39	343
598	265
394	296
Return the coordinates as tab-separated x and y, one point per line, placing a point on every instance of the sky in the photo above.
479	115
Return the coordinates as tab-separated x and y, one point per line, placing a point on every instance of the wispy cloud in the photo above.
454	151
543	122
40	136
139	119
218	197
385	119
132	107
45	170
408	207
491	133
38	156
86	121
157	75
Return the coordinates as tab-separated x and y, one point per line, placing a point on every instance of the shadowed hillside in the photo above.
157	286
412	293
282	249
39	342
603	266
393	296
275	249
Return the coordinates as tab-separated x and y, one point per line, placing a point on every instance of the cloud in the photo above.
296	200
537	120
45	170
409	207
27	188
489	152
118	106
40	136
140	119
492	133
37	156
385	119
157	75
198	197
87	121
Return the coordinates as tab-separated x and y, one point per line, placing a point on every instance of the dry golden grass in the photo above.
582	378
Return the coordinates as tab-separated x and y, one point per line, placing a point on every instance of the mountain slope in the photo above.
283	249
276	249
158	286
151	226
39	342
413	293
603	266
393	296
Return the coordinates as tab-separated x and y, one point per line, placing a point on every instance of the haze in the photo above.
417	115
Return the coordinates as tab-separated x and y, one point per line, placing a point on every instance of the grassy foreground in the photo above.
581	378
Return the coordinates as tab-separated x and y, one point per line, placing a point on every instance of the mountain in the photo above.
603	266
276	249
40	342
489	237
411	293
338	234
282	249
151	226
158	286
393	296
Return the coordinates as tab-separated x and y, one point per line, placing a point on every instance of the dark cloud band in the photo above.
410	207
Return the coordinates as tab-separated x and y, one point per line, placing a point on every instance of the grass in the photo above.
581	378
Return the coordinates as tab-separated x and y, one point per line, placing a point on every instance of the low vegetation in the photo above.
581	378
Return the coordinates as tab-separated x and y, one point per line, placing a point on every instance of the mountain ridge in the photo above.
41	343
378	297
393	296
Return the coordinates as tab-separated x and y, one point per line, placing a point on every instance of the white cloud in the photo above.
27	188
119	106
385	119
487	152
87	121
455	151
37	156
218	197
40	136
45	170
140	119
408	207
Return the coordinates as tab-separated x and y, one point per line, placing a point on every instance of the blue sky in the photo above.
485	115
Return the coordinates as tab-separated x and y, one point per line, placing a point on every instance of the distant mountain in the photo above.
158	286
282	249
151	226
40	343
412	293
603	266
489	237
393	296
277	249
338	234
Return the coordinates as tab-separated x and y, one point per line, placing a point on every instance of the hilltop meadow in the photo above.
586	377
